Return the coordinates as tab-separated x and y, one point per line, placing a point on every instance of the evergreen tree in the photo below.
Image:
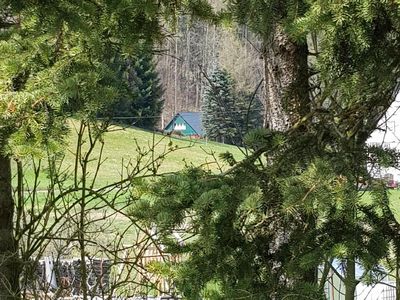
54	61
142	103
228	114
331	72
219	108
249	112
148	92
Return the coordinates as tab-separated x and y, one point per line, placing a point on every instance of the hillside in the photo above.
122	146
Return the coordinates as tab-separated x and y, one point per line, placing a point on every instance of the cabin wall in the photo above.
180	125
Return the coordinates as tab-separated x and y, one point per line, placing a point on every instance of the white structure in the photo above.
388	135
179	127
335	288
380	291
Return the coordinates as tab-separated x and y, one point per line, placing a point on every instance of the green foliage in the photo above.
268	219
249	114
57	54
294	203
218	108
227	114
384	157
262	230
261	16
213	242
142	102
352	38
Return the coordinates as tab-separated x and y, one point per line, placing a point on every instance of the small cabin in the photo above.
186	124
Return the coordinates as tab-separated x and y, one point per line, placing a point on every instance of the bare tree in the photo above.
81	226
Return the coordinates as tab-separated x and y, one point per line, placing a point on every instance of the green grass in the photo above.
394	200
124	145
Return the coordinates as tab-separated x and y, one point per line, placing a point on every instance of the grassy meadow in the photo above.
124	147
125	144
395	203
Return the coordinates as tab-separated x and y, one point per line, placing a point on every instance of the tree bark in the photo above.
9	262
350	280
286	80
286	75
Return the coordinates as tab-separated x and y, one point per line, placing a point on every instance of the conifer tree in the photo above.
331	72
229	114
148	101
249	112
54	63
219	110
142	103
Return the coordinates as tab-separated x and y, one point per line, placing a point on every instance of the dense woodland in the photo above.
194	51
299	203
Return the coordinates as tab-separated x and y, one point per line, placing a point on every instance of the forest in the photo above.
277	197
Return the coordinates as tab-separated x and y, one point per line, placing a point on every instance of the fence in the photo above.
63	277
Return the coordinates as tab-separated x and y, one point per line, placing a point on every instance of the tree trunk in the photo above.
9	262
286	80
350	280
287	99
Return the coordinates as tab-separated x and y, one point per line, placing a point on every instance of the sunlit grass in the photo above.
394	201
126	146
